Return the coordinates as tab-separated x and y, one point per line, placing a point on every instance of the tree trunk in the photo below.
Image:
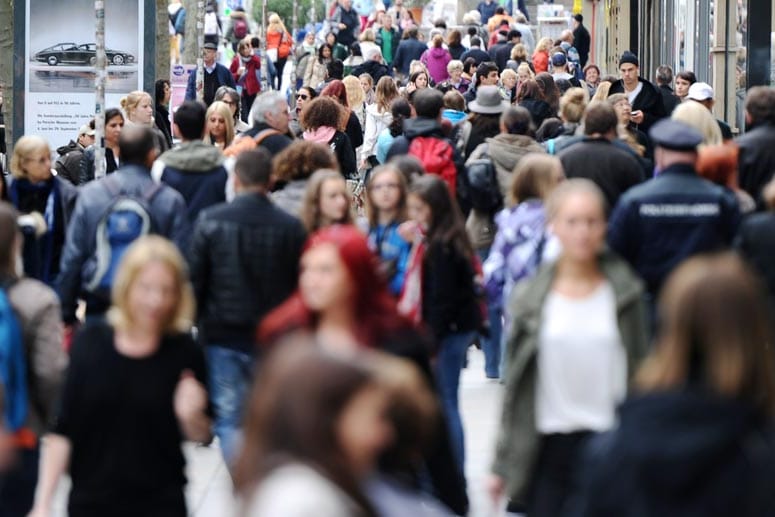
190	48
6	68
162	40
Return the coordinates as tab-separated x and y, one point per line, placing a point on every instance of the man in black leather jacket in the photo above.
244	258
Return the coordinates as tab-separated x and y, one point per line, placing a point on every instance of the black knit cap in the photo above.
629	57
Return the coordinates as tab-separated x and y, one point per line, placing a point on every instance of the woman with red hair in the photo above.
353	129
718	164
344	303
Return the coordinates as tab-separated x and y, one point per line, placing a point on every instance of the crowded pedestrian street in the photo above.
387	258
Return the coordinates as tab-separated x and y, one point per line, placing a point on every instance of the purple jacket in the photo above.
436	60
515	253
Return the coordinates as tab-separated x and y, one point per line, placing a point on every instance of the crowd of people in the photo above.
304	281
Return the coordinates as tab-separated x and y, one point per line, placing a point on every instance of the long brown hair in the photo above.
293	413
310	209
446	226
714	328
372	213
9	234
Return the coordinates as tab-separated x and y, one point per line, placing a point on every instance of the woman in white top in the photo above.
316	423
378	118
578	333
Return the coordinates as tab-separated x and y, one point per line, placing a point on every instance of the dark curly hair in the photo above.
302	158
320	112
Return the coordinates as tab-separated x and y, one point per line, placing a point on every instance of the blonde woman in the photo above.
508	89
541	55
356	99
138	110
278	45
698	116
378	117
578	334
134	391
524	73
46	200
219	126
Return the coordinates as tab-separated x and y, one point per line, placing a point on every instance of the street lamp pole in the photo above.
99	84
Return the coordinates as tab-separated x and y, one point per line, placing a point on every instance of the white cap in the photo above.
700	92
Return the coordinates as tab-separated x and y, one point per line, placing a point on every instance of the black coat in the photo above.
539	110
449	302
683	453
649	101
597	159
244	261
345	154
756	241
669	99
478	54
375	69
756	160
408	50
581	41
273	143
354	131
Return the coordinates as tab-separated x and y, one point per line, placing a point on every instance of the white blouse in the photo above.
582	365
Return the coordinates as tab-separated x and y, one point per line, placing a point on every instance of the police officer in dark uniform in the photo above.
658	224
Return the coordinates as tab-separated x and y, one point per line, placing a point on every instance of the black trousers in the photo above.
552	483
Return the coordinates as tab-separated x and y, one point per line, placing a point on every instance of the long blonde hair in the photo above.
144	251
354	91
696	115
276	24
222	109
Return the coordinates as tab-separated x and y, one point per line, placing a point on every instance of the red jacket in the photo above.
541	62
249	82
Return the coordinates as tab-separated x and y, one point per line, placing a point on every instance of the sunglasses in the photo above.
302	97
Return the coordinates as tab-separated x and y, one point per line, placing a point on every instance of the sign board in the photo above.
59	58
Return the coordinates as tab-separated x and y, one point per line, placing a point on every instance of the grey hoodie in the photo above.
190	157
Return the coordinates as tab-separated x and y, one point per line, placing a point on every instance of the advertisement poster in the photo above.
61	54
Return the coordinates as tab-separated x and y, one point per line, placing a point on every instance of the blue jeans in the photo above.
449	362
491	345
230	375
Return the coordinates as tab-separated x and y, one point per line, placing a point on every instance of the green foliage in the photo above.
284	8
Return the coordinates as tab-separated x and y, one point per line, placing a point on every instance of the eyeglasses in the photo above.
302	97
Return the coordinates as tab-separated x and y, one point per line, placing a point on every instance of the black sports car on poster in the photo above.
86	54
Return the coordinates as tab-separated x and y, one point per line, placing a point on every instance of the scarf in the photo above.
321	135
39	250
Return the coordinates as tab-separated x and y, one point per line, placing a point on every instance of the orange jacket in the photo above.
541	62
279	40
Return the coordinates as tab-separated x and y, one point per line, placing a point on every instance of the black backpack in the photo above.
483	188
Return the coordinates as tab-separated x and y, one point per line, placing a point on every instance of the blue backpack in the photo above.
13	367
127	218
